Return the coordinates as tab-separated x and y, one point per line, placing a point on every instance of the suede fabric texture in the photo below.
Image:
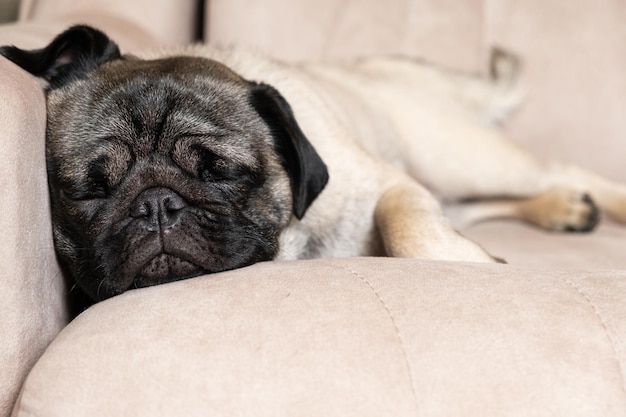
522	245
542	336
337	29
32	295
137	24
339	337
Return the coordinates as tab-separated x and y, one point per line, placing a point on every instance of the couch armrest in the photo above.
33	305
32	309
345	337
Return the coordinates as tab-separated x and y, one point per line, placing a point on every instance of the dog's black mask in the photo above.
164	169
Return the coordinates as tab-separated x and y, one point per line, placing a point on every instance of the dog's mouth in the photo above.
154	263
144	259
166	268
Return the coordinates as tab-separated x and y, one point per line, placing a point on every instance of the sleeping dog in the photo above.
172	165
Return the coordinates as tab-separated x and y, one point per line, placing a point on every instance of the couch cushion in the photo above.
362	337
31	299
448	33
520	244
575	60
134	25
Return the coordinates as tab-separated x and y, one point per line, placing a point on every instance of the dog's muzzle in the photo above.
158	211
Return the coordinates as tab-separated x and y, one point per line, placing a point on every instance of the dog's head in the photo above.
164	169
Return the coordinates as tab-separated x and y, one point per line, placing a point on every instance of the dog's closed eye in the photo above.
213	168
94	185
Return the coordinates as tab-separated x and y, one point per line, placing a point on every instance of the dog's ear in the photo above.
70	56
307	171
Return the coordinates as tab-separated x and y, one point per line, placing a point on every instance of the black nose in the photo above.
159	208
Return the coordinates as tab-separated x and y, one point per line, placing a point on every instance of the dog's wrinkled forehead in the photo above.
150	105
110	115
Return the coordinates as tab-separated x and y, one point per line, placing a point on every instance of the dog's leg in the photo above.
550	194
610	196
557	209
439	141
412	225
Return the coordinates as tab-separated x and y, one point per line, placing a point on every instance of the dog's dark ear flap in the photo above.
70	56
307	171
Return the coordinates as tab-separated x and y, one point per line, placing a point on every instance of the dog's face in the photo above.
165	169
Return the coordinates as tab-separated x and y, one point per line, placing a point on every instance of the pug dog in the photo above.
171	165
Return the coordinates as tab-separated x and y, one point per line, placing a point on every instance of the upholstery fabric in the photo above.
162	22
346	337
542	336
522	245
32	295
135	26
441	31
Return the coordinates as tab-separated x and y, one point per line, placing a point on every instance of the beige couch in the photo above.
544	335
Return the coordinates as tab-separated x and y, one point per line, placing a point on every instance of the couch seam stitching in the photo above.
380	299
607	332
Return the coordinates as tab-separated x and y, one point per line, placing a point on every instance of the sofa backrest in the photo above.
574	53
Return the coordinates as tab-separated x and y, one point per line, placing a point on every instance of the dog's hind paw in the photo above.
584	215
562	210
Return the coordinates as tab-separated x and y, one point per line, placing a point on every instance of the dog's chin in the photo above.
140	272
165	268
154	263
150	267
